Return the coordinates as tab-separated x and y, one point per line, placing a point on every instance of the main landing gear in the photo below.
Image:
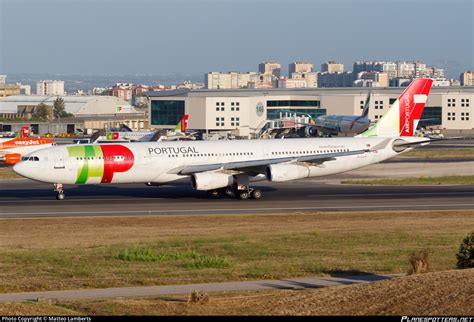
58	188
242	193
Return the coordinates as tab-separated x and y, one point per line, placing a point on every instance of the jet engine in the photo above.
286	172
12	158
211	180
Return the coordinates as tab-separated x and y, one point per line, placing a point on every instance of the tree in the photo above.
43	112
58	107
465	255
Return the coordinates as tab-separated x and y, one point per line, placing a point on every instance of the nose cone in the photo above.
21	169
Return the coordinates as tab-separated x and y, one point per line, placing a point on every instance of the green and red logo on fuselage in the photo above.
101	161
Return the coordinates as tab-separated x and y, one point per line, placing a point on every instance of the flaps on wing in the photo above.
190	169
258	165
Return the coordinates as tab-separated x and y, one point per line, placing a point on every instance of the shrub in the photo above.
198	297
419	263
465	255
137	254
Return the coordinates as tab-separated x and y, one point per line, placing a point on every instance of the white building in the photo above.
270	68
300	67
244	112
467	78
217	80
3	79
76	105
50	87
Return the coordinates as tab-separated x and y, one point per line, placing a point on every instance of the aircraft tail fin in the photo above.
24	133
404	114
365	111
182	124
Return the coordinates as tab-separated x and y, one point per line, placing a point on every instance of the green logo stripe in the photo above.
90	166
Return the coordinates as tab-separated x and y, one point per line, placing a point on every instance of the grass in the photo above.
69	253
190	259
427	153
441	293
449	180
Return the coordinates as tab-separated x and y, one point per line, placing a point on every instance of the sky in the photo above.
161	37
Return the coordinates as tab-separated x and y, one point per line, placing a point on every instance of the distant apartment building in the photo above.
344	79
50	87
399	69
9	90
311	79
263	81
3	79
217	80
371	79
467	78
332	67
24	89
285	82
270	68
123	91
300	67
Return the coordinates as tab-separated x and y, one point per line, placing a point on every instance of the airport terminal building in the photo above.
90	113
244	112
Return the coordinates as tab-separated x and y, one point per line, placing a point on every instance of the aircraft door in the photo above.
59	160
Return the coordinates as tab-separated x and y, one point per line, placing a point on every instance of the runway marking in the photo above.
211	211
460	193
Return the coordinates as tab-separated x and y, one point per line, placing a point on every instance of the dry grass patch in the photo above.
448	180
7	173
441	293
69	253
427	153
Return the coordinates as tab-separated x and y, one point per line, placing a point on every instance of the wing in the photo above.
258	166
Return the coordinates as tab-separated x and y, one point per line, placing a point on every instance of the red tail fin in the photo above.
25	131
404	114
184	122
411	104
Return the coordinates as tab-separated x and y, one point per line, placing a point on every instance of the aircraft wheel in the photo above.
60	196
257	194
244	195
214	193
229	191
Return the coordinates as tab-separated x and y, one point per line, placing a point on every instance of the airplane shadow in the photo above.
180	191
344	277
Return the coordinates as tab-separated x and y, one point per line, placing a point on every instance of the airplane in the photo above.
127	134
12	149
228	167
345	124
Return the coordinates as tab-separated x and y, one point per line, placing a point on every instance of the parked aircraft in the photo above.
328	125
221	167
12	149
127	134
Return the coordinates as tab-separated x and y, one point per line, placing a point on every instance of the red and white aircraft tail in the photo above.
405	113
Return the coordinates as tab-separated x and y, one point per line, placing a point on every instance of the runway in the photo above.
25	199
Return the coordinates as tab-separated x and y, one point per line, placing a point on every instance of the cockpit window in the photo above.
29	159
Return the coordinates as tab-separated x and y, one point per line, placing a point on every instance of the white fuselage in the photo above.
156	162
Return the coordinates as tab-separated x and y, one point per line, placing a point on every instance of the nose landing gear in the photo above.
58	188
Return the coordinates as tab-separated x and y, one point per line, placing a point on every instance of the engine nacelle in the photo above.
209	181
12	158
286	172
